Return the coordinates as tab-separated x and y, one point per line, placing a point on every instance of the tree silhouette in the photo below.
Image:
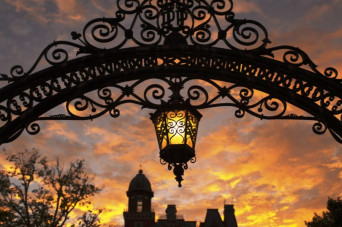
330	218
35	192
89	219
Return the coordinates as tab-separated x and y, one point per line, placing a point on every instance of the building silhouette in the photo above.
139	195
140	212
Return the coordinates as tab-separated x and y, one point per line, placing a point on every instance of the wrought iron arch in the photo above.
153	49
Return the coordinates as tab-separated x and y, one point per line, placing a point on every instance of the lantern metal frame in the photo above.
176	155
152	47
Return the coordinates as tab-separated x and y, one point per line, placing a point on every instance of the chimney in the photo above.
171	212
229	216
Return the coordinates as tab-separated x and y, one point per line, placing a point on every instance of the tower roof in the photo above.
140	183
213	218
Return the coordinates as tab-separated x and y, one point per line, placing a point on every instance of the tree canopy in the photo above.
36	192
330	218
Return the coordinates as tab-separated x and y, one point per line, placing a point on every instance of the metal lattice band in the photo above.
154	48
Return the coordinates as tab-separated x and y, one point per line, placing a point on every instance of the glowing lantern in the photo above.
176	129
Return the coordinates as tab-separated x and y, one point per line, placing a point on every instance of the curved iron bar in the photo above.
176	42
177	68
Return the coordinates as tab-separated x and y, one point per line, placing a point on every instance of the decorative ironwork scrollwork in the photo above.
319	128
243	98
33	128
147	23
200	35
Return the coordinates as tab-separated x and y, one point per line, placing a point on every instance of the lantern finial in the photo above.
179	172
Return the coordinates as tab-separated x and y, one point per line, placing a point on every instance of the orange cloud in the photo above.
246	6
73	9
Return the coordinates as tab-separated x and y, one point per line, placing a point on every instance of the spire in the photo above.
229	216
212	218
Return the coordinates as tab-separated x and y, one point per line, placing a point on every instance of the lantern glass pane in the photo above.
176	127
189	141
192	124
164	143
161	130
176	122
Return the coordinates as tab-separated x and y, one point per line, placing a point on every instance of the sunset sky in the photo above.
277	173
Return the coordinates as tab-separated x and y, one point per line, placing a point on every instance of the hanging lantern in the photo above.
176	129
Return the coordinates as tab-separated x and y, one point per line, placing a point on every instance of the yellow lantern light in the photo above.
176	130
